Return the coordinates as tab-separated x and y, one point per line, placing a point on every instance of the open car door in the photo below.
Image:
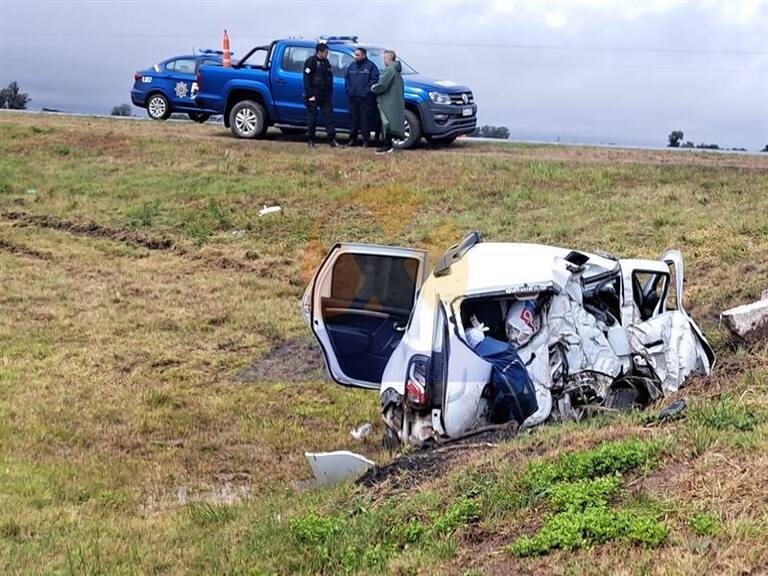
358	305
674	259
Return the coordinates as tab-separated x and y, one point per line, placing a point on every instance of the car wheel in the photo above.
412	132
623	398
158	107
199	117
247	119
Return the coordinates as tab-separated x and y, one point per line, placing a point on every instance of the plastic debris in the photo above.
748	323
332	467
361	432
674	410
269	210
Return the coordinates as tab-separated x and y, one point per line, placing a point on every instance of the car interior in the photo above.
370	301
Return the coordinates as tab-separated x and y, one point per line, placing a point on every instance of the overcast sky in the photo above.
593	71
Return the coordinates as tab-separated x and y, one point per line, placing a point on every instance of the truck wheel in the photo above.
412	132
247	119
199	117
158	107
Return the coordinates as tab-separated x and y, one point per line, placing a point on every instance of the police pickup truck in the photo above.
265	88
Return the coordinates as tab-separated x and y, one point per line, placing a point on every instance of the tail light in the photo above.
416	382
199	80
137	76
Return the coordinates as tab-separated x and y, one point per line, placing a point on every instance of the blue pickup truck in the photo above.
265	88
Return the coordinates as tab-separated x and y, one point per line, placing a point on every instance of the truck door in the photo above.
340	61
358	305
288	84
182	77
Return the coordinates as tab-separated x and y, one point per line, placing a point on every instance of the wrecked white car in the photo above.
500	332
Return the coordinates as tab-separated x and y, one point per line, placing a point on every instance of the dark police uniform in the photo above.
318	82
359	78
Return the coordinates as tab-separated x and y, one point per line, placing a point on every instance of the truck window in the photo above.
340	61
294	58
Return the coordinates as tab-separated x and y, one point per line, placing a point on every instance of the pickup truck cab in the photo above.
265	88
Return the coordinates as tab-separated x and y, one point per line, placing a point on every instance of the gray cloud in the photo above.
586	70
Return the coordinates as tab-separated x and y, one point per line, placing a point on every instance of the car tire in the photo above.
623	398
199	117
158	107
412	132
247	119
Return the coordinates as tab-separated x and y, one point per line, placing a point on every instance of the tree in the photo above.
687	144
12	98
765	149
674	138
122	110
501	132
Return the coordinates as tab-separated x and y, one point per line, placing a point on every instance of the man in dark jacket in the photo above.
318	93
360	76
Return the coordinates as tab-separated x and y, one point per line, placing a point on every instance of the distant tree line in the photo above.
675	140
121	110
12	98
501	132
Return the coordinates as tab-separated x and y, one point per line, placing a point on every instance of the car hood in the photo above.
427	83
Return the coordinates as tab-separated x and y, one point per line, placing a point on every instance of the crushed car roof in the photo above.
492	266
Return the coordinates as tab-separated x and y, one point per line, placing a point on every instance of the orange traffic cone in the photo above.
227	53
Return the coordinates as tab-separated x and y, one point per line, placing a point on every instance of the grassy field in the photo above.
158	386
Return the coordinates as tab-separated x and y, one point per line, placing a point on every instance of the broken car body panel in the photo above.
607	331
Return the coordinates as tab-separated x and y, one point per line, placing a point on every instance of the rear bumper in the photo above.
139	98
444	121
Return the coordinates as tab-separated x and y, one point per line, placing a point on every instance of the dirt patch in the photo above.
20	250
428	463
90	229
297	360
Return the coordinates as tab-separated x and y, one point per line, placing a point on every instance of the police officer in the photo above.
361	75
318	93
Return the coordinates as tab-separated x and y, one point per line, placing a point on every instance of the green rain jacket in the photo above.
391	100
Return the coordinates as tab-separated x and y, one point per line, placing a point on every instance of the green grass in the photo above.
129	445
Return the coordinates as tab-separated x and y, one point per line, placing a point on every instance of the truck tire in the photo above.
412	132
199	117
247	119
158	107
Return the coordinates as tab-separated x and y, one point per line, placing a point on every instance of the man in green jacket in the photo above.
391	101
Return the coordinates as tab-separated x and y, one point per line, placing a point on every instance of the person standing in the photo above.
390	94
360	76
318	94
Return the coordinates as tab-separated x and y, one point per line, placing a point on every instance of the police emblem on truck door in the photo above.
181	89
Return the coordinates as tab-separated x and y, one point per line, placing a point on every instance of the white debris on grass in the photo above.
269	210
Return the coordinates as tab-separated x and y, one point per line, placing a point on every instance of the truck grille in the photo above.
459	99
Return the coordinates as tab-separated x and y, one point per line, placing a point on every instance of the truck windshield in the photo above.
376	55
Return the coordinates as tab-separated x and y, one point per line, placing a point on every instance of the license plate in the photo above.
466	112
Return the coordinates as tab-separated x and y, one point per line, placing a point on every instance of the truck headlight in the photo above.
439	98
